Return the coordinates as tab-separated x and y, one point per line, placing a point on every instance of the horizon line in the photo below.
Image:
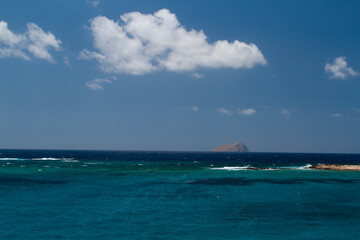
184	151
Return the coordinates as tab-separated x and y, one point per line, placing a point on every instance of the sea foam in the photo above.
248	167
55	159
12	159
232	168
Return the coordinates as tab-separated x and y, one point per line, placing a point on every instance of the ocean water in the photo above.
176	195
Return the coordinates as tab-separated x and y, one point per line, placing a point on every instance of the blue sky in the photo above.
280	76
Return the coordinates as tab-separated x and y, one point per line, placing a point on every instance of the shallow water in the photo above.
172	195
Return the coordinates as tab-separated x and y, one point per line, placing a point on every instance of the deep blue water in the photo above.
176	195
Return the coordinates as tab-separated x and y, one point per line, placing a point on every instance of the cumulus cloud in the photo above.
247	112
339	69
225	111
195	108
93	3
96	84
143	43
34	41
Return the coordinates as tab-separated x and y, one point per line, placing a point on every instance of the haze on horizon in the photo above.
280	76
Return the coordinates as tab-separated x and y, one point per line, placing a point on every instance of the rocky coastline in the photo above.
337	167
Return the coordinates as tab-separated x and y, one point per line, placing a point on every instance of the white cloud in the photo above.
7	37
196	75
143	43
34	41
195	108
225	111
338	115
39	42
284	111
339	69
11	52
96	84
66	60
247	112
93	3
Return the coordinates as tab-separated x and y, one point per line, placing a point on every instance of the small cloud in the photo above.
247	112
357	109
337	115
284	111
196	75
339	69
66	61
96	84
195	108
225	111
93	3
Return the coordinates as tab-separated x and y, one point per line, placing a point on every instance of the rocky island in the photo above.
235	147
339	167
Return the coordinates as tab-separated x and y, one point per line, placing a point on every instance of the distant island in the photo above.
235	147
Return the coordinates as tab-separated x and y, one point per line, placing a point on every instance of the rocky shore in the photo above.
338	167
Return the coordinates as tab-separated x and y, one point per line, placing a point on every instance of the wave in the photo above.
55	159
69	160
306	167
40	159
12	159
232	168
46	159
248	167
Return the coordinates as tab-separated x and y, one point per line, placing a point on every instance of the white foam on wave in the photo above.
306	167
248	167
269	169
12	159
55	159
46	159
41	159
232	168
69	160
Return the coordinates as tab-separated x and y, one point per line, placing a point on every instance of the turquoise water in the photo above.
164	195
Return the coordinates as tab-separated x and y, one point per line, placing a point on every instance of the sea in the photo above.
58	194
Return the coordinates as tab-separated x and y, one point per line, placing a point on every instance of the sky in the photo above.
280	76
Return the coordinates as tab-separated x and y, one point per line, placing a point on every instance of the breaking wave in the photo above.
55	159
232	168
46	159
40	159
12	159
248	167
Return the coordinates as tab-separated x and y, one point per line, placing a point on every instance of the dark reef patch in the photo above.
27	181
